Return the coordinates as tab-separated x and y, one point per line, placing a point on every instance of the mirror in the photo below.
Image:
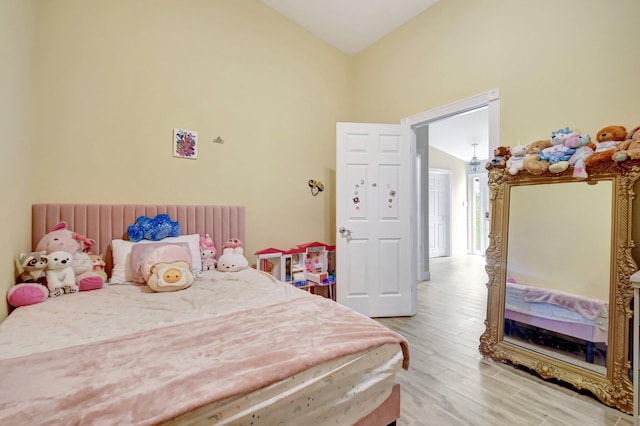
559	262
557	289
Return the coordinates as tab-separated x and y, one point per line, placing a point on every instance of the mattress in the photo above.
553	317
335	391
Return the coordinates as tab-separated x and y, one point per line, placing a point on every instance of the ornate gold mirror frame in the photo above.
614	387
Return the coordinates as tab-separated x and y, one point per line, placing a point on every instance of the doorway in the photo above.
478	213
417	124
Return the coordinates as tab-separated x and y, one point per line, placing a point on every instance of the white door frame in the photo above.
491	99
421	222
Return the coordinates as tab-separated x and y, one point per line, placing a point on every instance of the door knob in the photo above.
344	232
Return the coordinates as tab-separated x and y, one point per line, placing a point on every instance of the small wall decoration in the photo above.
185	143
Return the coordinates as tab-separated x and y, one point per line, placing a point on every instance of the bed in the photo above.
568	314
236	348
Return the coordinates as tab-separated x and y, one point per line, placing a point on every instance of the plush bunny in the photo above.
232	259
208	253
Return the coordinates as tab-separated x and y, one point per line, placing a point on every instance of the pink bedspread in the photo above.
587	307
150	377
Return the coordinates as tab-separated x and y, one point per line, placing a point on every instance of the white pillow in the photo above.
121	251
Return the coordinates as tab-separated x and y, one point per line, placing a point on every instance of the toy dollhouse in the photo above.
305	266
270	260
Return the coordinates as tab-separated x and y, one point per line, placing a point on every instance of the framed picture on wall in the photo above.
185	143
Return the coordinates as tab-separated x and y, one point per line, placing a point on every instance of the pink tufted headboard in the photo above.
105	222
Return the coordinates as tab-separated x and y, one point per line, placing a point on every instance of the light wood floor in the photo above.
450	383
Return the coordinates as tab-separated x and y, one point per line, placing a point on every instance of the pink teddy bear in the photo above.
578	159
208	253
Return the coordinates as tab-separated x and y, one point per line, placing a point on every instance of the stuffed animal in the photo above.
25	294
60	276
85	275
33	267
155	229
515	163
532	162
558	137
30	284
62	239
233	243
630	148
208	253
558	154
579	142
609	139
98	265
500	156
167	268
232	258
612	133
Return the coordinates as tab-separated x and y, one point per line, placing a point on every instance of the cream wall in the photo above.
113	78
16	26
557	63
570	63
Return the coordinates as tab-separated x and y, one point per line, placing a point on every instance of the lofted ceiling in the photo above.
350	25
354	25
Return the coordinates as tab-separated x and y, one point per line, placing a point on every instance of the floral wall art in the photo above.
185	143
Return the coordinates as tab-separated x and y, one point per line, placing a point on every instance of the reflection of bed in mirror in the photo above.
557	311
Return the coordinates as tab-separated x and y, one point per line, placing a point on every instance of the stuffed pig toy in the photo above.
62	239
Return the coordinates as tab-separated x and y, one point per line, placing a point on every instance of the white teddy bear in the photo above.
60	276
515	163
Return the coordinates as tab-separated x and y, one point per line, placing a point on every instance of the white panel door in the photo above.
374	257
438	214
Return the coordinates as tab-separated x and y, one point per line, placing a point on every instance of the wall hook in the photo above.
218	140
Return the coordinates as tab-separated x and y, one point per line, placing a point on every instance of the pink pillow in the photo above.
140	251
